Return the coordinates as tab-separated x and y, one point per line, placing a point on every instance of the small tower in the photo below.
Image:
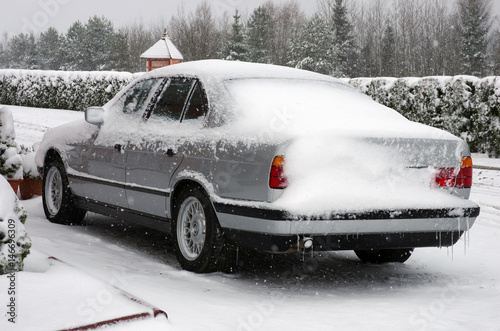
162	54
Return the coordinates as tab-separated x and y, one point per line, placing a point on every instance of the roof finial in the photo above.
164	34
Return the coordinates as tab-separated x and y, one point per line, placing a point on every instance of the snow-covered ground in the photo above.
437	289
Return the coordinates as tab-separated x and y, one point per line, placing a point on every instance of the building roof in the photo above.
163	49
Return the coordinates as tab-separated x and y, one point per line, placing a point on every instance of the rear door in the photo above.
152	160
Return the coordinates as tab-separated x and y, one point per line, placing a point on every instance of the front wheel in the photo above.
200	245
379	256
57	198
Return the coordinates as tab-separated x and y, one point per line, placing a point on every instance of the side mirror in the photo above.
94	115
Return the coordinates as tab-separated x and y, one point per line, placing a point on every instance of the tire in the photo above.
379	256
199	242
57	198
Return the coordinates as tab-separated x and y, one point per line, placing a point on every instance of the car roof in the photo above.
221	70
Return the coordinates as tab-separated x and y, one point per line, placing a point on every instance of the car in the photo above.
226	155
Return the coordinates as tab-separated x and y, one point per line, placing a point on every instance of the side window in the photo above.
137	97
171	103
197	106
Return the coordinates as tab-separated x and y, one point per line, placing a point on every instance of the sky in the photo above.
38	15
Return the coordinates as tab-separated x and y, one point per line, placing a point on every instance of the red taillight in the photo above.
448	177
464	178
445	177
277	178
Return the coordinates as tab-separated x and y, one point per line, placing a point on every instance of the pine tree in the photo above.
259	35
97	43
22	51
3	56
314	48
344	40
119	52
388	52
495	52
235	48
475	23
74	47
49	49
366	65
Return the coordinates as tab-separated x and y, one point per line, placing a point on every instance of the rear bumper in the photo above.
274	230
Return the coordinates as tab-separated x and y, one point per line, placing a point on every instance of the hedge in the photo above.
466	106
75	90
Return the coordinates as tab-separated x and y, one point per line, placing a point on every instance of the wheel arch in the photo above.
182	184
52	154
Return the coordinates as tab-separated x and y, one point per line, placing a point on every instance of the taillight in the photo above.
464	178
277	178
451	177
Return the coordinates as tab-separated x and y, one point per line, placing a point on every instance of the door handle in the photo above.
119	148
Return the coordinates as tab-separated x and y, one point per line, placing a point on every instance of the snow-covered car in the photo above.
229	154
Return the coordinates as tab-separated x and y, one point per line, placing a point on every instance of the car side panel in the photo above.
242	171
196	166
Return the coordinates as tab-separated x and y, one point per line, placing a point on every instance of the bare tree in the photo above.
287	19
139	38
197	34
409	18
372	21
439	33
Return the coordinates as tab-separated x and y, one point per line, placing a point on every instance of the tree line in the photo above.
343	38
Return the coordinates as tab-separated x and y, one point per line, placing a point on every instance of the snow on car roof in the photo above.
224	70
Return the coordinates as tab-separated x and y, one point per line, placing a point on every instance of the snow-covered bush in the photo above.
466	106
10	160
485	117
14	241
29	166
75	90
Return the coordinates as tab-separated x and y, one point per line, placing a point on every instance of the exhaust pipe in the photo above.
306	243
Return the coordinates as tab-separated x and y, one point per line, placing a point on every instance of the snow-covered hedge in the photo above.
466	106
14	241
75	90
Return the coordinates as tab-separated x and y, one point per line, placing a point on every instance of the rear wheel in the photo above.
379	256
199	242
57	199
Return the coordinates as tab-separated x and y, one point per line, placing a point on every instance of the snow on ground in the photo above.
437	289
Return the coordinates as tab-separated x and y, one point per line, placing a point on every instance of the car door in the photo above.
152	161
103	168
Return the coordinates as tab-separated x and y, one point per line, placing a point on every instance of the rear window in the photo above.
304	106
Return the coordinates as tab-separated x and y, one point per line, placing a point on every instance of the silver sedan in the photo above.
226	155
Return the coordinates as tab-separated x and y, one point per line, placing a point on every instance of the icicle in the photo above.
468	232
466	235
452	247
